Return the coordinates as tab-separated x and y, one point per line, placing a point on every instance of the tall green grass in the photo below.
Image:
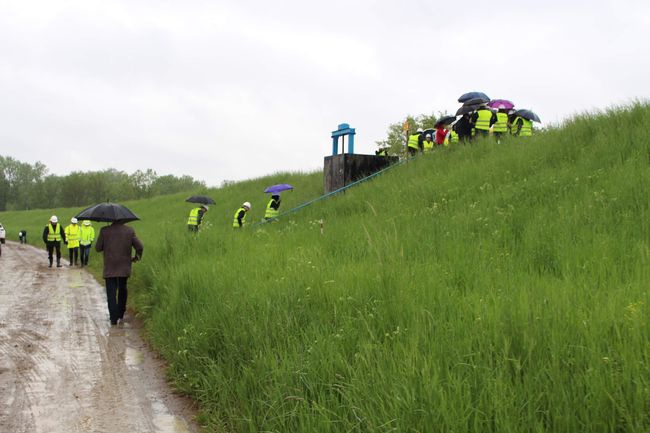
483	288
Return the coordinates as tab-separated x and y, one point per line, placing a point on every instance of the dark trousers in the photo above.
116	294
481	133
192	228
51	246
85	254
74	254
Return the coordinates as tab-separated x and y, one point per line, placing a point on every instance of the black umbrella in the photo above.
201	199
465	109
107	212
528	115
473	95
476	101
445	120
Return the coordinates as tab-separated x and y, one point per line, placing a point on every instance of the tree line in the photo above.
25	186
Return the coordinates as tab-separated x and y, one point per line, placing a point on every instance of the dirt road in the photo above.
63	368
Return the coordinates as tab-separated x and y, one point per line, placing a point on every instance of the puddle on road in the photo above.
133	358
166	422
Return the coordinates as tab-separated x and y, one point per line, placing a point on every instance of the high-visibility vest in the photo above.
270	212
72	235
87	235
413	141
501	124
483	121
235	223
193	220
526	127
453	137
428	145
54	233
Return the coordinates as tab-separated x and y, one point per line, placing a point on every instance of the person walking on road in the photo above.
273	207
240	215
196	217
53	234
86	241
22	236
73	236
116	242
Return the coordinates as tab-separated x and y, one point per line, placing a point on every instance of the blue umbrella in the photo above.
528	115
278	188
473	95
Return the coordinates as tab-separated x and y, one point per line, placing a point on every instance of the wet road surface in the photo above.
63	368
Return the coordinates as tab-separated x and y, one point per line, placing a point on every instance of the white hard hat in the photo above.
247	204
54	219
86	222
205	206
73	220
428	136
420	130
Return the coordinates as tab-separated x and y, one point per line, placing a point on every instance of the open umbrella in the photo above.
445	120
278	188
476	101
473	95
528	115
501	104
201	199
465	109
107	212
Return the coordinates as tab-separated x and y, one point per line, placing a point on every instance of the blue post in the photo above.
344	129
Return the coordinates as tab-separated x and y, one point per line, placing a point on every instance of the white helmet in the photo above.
54	219
420	130
73	220
247	205
205	206
86	222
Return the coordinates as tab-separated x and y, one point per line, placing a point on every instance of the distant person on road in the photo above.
383	151
116	242
53	234
22	236
483	119
73	236
273	207
196	217
86	241
240	215
414	144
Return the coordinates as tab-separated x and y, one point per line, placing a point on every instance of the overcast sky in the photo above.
233	90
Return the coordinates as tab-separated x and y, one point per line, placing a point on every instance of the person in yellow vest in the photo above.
73	236
273	207
483	119
240	215
452	138
414	144
521	127
196	217
86	241
53	234
500	127
382	151
428	144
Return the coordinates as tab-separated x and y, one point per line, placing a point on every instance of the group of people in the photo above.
481	123
197	214
116	241
77	237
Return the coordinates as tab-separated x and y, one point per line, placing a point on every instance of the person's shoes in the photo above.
50	265
58	265
113	322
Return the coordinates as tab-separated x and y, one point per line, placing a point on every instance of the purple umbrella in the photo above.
501	104
278	188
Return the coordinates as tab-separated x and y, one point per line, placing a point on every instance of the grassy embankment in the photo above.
481	289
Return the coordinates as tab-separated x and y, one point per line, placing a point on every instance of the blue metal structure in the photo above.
344	129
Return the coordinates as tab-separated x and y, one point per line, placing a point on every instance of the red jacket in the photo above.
441	134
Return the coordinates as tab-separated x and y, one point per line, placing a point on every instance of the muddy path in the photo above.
63	368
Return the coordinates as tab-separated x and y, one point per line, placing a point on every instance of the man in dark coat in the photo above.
116	242
53	234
